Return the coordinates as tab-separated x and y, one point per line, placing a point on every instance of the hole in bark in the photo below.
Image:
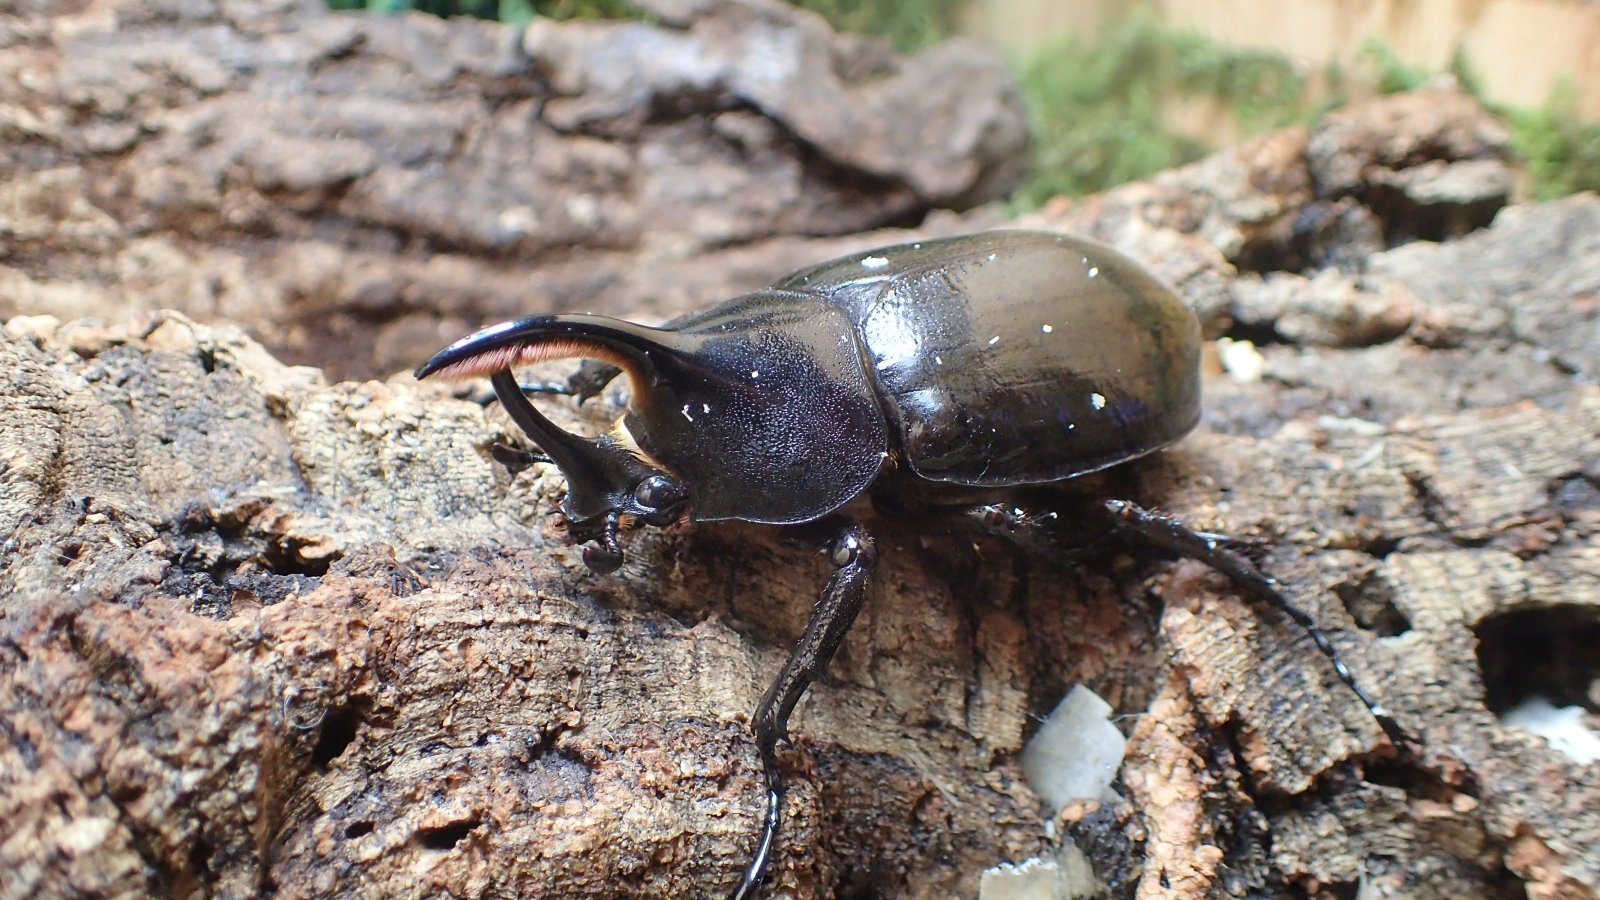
200	857
1576	495
1546	652
358	829
1370	601
1261	334
338	732
446	836
124	794
282	557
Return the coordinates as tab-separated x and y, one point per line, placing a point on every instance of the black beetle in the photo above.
960	377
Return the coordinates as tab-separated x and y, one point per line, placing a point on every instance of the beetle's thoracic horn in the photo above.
598	470
535	339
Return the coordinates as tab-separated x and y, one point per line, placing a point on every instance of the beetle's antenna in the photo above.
1171	535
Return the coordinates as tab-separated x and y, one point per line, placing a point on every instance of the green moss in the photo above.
1099	118
1560	150
909	26
1101	108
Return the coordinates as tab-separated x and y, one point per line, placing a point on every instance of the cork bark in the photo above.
262	631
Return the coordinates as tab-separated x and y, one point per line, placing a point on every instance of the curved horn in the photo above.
536	339
600	472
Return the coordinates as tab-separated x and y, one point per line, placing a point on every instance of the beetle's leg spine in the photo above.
1169	534
855	555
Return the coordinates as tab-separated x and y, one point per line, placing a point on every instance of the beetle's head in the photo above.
611	488
762	413
612	485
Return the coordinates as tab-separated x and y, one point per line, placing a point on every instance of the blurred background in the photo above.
1117	91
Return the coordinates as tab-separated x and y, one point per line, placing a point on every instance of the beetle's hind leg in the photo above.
853	553
1166	533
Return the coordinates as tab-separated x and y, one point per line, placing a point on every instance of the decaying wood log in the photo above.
260	632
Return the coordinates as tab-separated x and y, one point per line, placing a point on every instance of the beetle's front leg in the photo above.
590	378
586	382
853	553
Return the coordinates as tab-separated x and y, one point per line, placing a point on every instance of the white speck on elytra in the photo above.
1093	271
706	407
874	262
686	413
1098	401
755	373
938	360
994	340
1047	328
991	257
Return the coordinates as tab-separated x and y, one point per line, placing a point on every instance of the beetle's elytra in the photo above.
956	379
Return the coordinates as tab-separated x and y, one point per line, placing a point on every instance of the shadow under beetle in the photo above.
955	378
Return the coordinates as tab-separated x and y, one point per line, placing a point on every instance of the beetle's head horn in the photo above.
612	485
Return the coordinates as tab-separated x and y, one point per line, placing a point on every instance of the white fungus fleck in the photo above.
1561	726
1097	400
994	340
938	360
1075	754
686	413
991	257
705	407
1047	328
1093	271
1067	875
1241	360
874	262
755	373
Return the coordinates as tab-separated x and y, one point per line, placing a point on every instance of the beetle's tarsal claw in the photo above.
601	561
515	459
605	556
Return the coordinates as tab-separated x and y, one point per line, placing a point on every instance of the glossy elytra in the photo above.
960	379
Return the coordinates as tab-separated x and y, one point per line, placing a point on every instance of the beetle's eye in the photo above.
657	492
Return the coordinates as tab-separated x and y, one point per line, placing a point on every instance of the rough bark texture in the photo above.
260	631
354	189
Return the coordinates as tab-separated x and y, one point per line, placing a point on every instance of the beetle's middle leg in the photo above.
853	553
590	378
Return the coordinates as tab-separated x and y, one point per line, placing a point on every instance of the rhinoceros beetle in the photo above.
961	378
